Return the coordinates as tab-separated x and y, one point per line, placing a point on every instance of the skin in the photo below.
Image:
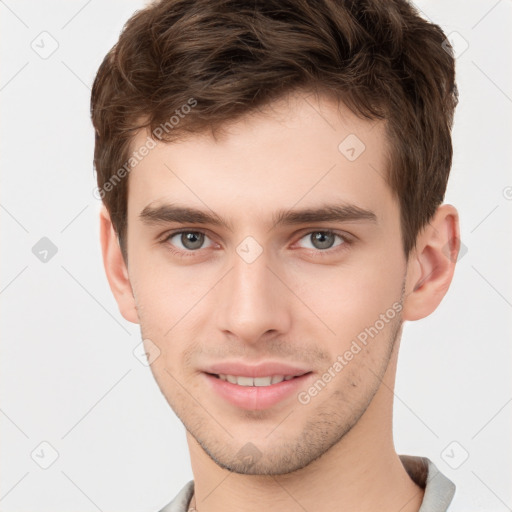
295	303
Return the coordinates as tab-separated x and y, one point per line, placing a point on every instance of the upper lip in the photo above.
264	369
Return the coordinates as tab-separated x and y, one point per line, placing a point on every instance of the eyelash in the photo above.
347	242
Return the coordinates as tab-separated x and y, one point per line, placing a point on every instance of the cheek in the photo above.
349	297
170	303
165	292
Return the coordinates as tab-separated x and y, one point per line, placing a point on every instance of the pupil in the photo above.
322	240
192	240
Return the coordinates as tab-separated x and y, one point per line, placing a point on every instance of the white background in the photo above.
68	373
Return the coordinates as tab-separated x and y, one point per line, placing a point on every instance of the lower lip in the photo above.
256	398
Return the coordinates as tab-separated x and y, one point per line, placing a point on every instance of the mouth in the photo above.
255	381
256	393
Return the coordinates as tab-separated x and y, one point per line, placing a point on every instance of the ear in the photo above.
115	268
431	264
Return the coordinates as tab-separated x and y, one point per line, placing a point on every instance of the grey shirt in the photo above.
439	490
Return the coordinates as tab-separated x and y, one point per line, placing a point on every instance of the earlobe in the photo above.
432	264
115	269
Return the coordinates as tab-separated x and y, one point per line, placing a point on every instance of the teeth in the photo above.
245	381
257	381
263	381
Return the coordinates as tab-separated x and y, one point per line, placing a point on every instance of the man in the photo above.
272	176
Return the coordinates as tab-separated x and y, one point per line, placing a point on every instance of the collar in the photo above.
439	490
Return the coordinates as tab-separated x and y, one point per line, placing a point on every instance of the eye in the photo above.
322	240
188	240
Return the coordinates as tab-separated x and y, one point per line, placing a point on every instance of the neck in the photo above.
361	472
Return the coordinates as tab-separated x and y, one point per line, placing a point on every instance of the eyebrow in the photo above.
167	213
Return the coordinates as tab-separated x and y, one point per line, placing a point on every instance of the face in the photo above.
277	243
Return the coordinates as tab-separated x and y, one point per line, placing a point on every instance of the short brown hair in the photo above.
234	56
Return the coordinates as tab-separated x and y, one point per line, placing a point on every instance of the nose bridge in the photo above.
251	303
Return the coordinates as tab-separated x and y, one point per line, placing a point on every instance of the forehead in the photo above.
301	149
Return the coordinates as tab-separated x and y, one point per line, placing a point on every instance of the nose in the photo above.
253	303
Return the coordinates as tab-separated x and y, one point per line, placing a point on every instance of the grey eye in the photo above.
322	240
189	240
